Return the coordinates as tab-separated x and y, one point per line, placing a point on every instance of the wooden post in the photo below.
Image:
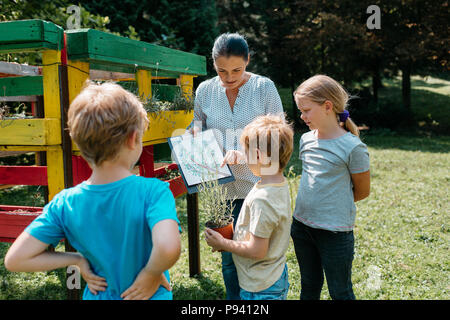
193	234
72	294
77	73
144	82
186	82
52	109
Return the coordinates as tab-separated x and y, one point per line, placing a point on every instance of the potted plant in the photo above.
218	211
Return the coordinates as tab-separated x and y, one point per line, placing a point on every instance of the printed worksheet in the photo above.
199	158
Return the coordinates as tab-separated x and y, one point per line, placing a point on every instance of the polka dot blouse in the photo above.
258	96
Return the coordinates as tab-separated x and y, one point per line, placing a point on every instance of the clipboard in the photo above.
199	159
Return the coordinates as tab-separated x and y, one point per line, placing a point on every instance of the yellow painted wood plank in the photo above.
52	103
55	172
28	148
144	82
186	82
162	125
77	73
30	132
167	124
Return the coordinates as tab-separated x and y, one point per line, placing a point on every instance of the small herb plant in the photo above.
215	204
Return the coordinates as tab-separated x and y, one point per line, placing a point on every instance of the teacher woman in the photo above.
227	103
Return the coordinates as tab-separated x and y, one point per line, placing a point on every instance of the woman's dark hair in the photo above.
230	44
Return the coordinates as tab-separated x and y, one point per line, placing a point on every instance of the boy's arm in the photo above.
28	254
255	248
165	252
361	185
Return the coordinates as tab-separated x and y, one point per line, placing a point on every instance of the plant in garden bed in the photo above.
217	207
180	102
20	113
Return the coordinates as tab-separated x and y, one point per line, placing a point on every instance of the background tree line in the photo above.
290	40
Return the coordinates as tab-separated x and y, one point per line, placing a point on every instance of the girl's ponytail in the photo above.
351	126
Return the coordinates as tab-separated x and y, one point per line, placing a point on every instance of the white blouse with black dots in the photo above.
258	96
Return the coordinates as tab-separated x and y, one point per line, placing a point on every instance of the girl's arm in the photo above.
361	185
28	254
255	248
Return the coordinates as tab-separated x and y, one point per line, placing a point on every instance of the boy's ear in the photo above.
131	140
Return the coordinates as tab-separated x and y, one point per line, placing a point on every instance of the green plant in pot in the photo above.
218	211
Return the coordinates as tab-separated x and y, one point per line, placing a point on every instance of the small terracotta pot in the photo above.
226	232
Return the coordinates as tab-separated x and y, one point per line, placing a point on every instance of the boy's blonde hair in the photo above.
102	117
265	129
321	88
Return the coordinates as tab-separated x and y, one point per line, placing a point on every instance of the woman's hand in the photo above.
193	130
233	157
94	282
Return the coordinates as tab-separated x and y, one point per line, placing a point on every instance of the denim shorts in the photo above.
278	291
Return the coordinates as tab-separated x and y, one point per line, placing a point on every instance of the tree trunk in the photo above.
406	86
406	92
295	112
376	80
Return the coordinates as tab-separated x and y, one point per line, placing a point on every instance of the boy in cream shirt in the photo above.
262	232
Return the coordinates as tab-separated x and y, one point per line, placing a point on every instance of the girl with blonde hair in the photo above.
335	174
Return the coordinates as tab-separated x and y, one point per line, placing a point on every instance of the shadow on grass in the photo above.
390	140
199	288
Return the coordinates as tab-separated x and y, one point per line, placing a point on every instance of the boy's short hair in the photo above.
102	117
265	129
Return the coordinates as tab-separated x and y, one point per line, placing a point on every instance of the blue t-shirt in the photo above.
110	225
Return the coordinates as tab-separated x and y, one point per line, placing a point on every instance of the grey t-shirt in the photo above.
325	196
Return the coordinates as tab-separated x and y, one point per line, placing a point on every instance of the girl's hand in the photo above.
94	282
214	239
233	157
145	286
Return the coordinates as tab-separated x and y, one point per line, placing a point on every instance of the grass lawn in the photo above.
402	230
401	235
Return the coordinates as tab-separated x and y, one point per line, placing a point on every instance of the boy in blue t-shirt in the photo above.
124	227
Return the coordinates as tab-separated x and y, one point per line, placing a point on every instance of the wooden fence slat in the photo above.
23	175
21	86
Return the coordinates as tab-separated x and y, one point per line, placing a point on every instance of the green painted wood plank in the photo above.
105	48
30	34
127	68
21	86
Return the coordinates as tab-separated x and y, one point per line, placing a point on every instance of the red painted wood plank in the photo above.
80	170
24	175
16	209
146	167
12	224
163	170
177	187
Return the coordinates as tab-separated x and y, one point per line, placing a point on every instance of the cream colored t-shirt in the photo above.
266	213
